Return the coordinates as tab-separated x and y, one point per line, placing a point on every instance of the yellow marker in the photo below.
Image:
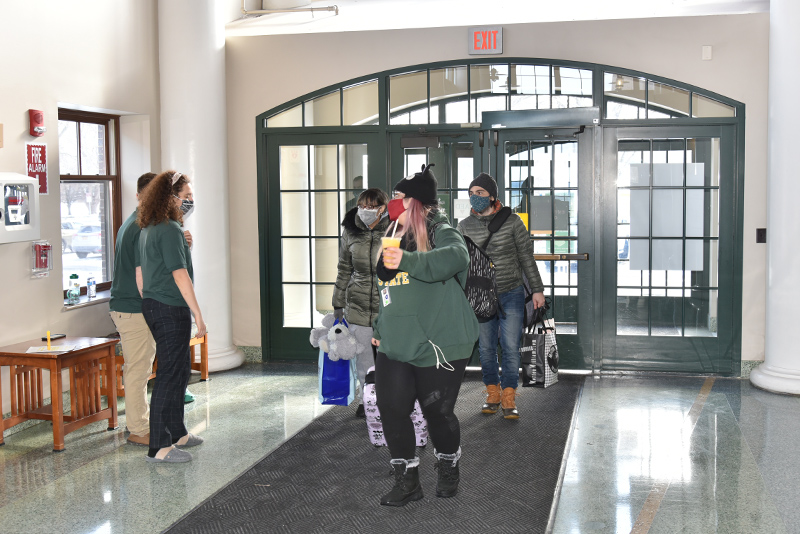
48	340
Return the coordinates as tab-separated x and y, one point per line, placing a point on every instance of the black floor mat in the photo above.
328	478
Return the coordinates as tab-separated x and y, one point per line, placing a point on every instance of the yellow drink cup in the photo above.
390	242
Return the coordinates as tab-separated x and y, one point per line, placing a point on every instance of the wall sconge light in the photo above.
619	82
37	122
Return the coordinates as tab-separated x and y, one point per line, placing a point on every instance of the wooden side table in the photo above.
85	385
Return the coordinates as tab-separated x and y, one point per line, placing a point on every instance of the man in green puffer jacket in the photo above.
355	295
512	254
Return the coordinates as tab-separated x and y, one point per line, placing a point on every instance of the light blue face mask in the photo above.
479	204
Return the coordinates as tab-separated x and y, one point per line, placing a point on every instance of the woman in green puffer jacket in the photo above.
425	333
355	295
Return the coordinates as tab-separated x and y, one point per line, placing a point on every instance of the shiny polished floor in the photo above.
648	454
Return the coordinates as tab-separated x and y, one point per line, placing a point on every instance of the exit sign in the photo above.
485	40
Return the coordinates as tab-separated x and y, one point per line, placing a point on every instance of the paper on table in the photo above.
53	348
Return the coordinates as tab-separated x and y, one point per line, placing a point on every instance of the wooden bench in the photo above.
201	366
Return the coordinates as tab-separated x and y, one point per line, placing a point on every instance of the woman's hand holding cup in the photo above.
392	253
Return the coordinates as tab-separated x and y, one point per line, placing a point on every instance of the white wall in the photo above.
265	71
88	54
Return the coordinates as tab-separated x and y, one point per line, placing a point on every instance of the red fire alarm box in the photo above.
42	260
37	122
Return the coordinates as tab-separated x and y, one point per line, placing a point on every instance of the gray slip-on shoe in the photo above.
193	441
175	456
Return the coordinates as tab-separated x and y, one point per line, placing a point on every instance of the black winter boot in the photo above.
406	483
447	466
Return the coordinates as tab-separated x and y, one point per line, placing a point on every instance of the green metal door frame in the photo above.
279	342
677	354
576	351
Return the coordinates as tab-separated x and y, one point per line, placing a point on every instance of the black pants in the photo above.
398	384
171	327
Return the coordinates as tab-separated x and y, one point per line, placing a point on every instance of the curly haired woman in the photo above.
168	305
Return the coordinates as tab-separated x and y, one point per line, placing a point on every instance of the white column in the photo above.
191	35
780	371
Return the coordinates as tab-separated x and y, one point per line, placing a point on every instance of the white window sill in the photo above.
102	296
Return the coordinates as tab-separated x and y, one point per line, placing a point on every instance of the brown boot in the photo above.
492	399
509	404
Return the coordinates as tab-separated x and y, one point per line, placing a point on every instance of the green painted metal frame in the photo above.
384	135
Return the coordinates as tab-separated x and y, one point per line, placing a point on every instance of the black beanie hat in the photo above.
487	182
422	186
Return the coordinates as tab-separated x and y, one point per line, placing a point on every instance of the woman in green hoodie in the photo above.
425	332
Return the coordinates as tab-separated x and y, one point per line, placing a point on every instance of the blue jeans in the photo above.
508	328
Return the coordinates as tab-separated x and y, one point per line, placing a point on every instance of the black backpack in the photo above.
480	287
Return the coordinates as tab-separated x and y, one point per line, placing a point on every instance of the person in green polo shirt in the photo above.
425	332
168	304
138	345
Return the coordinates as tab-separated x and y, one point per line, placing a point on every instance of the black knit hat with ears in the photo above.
487	182
422	186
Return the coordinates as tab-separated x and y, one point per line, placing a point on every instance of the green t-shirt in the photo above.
125	296
163	249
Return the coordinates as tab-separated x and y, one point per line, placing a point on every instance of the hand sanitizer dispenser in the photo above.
19	212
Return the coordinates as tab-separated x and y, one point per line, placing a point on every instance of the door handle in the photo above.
557	257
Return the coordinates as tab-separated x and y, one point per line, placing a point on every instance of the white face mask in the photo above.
368	216
187	208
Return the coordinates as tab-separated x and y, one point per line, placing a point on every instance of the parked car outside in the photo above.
87	240
68	230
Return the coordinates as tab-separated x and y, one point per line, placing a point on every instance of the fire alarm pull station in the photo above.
42	259
37	122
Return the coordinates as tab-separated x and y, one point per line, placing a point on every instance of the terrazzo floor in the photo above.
658	454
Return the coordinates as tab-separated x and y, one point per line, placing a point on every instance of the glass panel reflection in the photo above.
666	101
323	297
360	104
703	153
93	148
633	313
296	305
324	161
408	91
449	84
530	79
294	167
291	118
706	107
325	216
668	212
666	316
565	163
701	313
325	259
295	260
702	213
68	147
569	81
324	110
633	163
626	91
294	214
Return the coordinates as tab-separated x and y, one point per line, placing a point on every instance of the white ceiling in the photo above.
365	15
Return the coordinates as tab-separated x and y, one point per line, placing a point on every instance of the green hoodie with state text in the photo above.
425	318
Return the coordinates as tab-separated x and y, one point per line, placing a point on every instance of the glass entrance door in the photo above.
668	301
545	177
319	180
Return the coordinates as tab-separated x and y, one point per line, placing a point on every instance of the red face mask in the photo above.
396	208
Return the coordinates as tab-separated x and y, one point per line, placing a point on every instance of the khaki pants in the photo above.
139	350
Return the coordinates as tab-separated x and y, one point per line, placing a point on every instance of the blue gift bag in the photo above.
337	380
